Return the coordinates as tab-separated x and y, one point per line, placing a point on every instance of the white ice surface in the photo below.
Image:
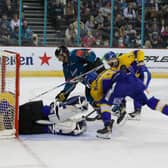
138	144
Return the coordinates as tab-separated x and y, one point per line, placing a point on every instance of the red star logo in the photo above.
45	59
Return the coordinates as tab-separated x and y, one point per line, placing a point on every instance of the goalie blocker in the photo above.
58	118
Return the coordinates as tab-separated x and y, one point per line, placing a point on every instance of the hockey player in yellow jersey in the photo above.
132	61
124	59
109	88
129	58
101	88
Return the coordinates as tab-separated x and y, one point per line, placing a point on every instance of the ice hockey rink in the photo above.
137	144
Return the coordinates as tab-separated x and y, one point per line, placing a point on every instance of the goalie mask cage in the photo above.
9	93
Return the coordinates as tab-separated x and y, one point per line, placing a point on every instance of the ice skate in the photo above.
106	132
122	118
136	115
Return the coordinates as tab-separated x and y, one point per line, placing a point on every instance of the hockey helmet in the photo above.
111	58
60	50
109	55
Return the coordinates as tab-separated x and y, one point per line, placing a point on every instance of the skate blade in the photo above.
104	136
123	121
136	118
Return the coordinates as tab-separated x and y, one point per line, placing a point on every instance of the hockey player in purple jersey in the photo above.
134	62
110	87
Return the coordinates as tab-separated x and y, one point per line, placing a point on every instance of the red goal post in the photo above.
9	93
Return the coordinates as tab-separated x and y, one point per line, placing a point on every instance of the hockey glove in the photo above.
61	96
115	108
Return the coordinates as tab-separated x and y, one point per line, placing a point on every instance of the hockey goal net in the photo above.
9	93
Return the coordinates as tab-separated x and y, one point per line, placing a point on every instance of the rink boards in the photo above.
41	62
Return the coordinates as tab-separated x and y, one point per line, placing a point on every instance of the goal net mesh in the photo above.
9	93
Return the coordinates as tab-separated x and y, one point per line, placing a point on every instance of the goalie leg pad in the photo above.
69	127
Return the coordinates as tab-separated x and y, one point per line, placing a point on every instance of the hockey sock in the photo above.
157	104
106	117
152	103
165	110
137	105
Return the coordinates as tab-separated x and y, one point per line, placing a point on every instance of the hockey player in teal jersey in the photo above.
75	63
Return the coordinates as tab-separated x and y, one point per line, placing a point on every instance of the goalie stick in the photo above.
87	117
73	80
45	122
91	118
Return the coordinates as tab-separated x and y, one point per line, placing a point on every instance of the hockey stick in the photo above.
90	118
73	80
48	122
87	118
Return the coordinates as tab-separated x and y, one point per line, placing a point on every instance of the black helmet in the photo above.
60	50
